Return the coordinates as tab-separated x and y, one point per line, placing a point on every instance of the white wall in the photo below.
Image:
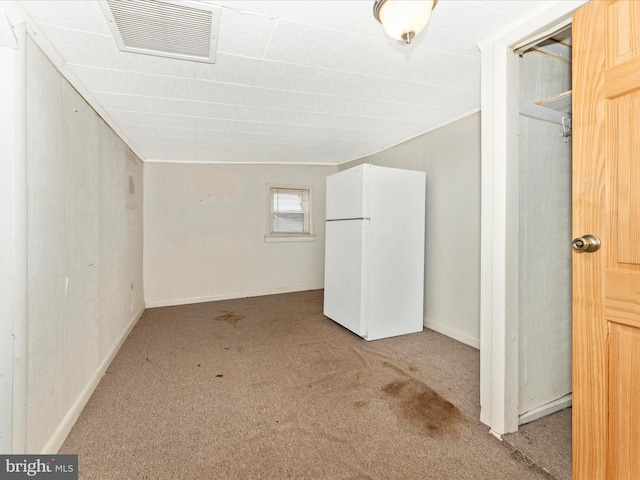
544	253
85	251
450	156
204	228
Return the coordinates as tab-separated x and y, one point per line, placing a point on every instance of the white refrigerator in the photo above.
374	253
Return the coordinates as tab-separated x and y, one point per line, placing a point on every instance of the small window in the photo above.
289	214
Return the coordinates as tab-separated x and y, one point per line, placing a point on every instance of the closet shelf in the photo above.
560	102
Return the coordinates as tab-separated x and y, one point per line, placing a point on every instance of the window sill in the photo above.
289	238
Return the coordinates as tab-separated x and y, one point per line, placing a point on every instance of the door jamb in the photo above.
13	233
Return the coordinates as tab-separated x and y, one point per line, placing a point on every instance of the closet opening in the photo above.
544	291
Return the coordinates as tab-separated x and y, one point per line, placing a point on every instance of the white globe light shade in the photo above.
403	19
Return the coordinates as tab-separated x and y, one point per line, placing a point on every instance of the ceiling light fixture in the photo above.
403	19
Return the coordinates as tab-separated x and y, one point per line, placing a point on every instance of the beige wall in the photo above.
204	228
451	158
85	251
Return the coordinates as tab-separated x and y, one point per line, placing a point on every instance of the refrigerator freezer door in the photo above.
348	194
346	274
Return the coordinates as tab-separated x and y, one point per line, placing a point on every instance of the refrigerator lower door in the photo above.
346	266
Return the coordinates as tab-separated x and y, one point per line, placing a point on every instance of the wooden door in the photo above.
606	203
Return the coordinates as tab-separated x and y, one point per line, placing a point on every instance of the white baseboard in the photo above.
455	334
69	420
228	296
544	410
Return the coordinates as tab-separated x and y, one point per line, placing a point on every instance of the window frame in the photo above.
277	236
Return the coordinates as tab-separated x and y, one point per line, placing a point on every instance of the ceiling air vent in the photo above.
177	29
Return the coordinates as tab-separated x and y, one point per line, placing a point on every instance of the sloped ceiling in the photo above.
313	82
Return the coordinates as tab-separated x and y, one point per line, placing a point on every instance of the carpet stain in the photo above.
394	388
230	318
423	407
361	403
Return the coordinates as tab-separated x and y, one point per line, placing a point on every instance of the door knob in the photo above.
587	243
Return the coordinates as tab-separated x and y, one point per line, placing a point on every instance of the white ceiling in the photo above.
294	81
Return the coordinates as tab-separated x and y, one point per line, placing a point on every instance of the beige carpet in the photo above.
545	442
269	388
